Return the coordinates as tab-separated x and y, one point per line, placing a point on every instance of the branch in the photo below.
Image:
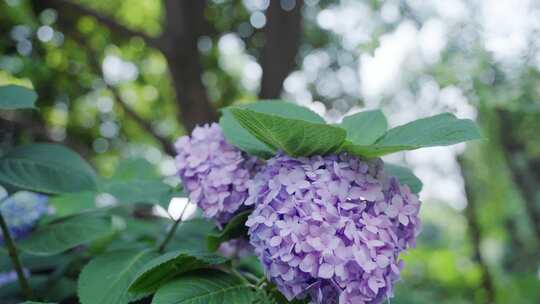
171	232
72	10
12	250
164	142
283	32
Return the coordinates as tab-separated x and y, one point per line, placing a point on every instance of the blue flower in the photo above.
22	211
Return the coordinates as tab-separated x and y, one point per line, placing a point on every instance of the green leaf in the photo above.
205	287
273	296
241	138
14	97
295	137
251	264
364	128
139	191
34	262
11	291
105	280
191	235
235	228
164	268
73	203
440	130
47	168
63	234
59	290
32	302
135	169
405	176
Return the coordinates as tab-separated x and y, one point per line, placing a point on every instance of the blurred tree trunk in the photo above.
283	31
525	170
184	24
474	231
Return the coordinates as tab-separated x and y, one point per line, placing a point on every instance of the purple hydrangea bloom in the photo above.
21	211
331	227
214	173
236	248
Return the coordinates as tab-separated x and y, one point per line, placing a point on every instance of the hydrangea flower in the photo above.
215	174
21	211
236	248
331	227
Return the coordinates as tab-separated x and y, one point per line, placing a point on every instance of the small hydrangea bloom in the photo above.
214	173
21	212
9	277
236	248
331	227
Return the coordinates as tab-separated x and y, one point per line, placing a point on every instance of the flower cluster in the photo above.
21	212
331	227
215	174
236	248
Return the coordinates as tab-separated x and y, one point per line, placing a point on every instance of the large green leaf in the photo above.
164	268
405	176
139	191
205	287
47	168
241	138
137	181
191	235
293	136
440	130
63	234
235	228
34	262
73	203
135	169
273	296
364	128
14	97
105	280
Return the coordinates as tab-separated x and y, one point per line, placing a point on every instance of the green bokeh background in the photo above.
80	108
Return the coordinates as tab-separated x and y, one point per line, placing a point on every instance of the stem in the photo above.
262	282
240	276
171	232
12	250
252	278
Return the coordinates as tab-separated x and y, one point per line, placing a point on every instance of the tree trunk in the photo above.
184	24
474	232
283	31
525	171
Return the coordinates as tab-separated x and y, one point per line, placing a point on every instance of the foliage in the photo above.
14	97
136	269
302	138
212	287
78	101
46	168
245	141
